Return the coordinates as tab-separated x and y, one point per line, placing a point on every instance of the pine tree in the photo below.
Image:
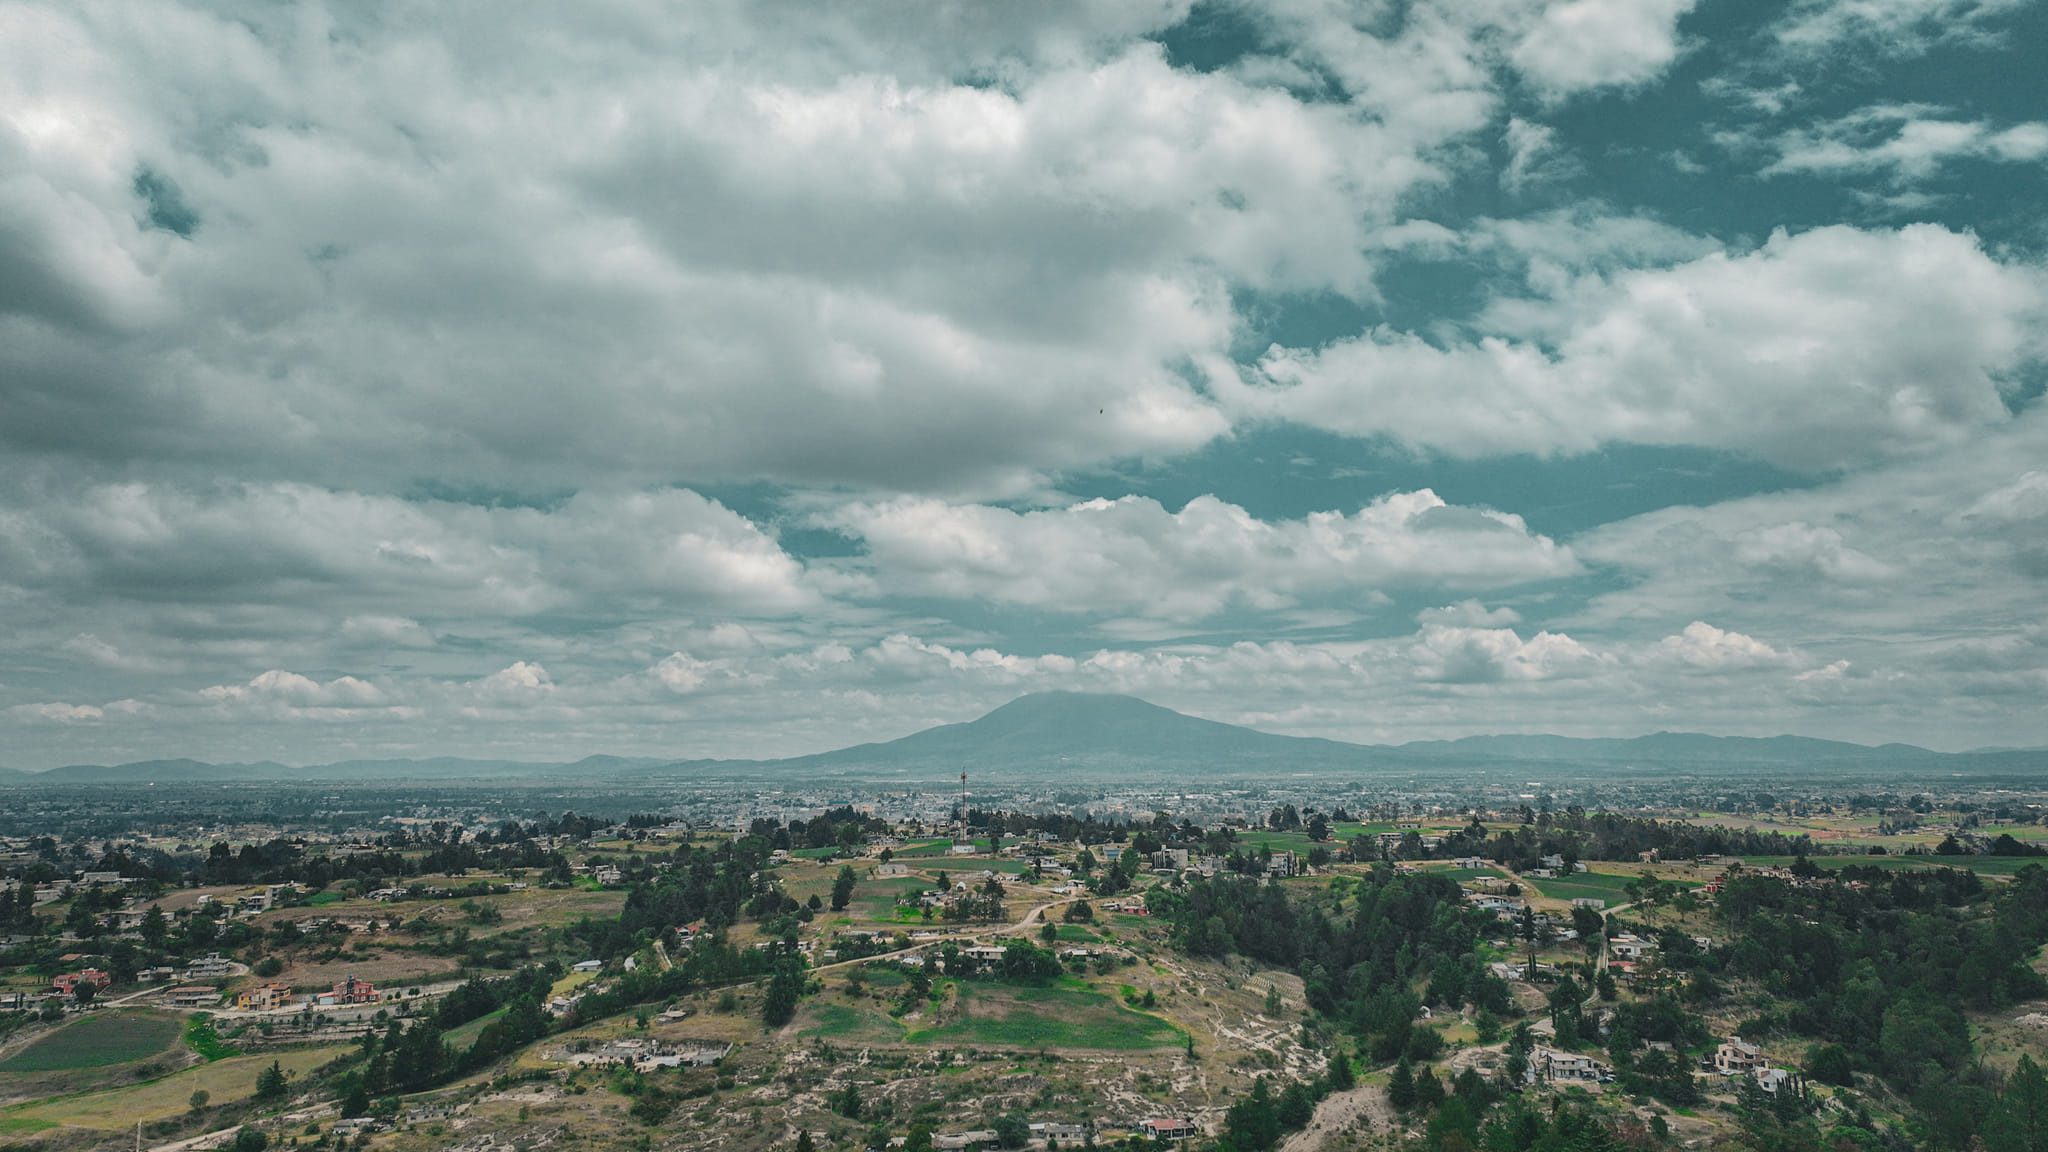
2019	1122
1429	1091
271	1082
842	888
1401	1088
1341	1076
804	1143
785	987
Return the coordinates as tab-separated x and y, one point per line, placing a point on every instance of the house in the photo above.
1630	947
70	982
1565	1067
210	966
1282	865
1064	1133
985	953
588	966
1170	859
125	920
354	991
1736	1056
264	997
192	996
977	1138
1170	1130
958	849
1772	1079
891	869
1596	903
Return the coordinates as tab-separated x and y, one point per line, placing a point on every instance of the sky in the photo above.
749	379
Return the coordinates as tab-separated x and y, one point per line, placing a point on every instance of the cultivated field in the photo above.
224	1081
96	1041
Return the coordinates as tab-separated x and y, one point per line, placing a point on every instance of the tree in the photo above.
2019	1121
271	1083
155	927
1591	927
804	1143
1253	1124
919	1140
1012	1131
842	888
1429	1091
1830	1064
250	1140
785	988
1342	1078
199	1099
846	1101
1401	1086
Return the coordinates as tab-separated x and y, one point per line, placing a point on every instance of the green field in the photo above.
464	1035
1983	865
95	1042
1462	874
845	1022
924	848
1067	1015
1607	886
226	1081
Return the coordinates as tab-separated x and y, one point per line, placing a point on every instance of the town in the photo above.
894	971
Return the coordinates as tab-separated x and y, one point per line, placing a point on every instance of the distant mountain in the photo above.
345	771
164	772
1075	733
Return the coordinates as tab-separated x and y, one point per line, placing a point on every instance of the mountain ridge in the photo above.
1071	732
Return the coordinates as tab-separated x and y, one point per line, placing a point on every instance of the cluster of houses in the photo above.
275	996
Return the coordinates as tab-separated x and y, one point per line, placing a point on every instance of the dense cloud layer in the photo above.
754	378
